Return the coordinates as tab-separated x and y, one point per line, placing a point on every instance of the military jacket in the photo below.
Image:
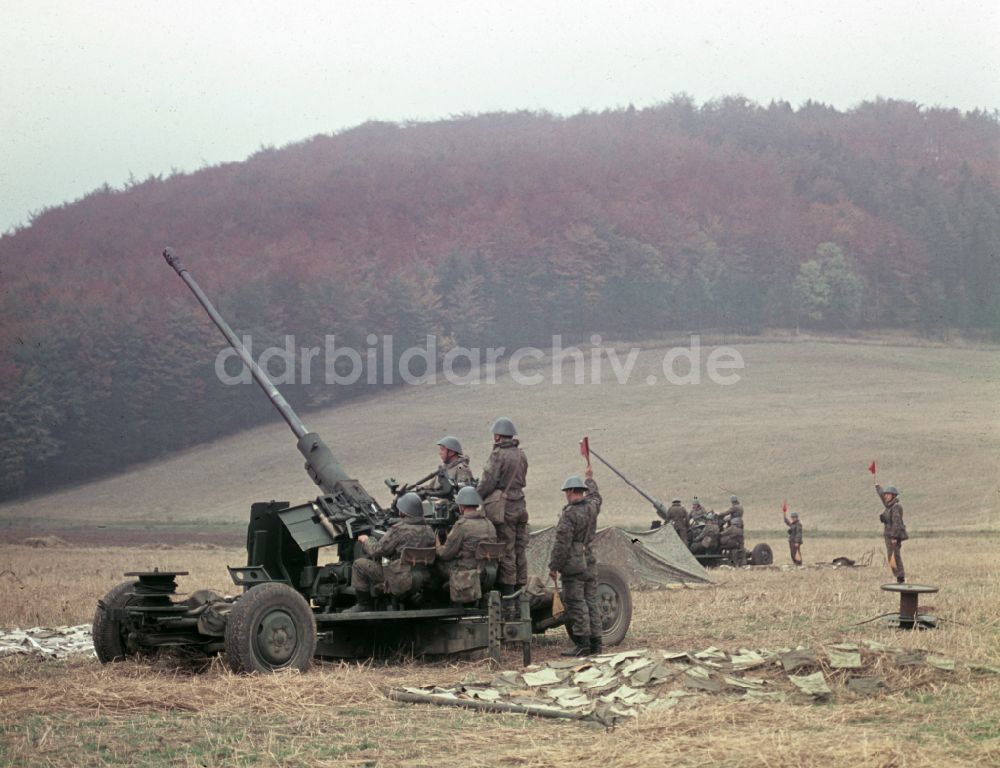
893	526
457	471
734	512
506	466
677	516
574	533
594	497
408	532
460	546
795	532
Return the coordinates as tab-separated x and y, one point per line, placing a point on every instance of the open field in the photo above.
803	423
76	712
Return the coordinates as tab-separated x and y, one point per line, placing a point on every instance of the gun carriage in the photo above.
293	608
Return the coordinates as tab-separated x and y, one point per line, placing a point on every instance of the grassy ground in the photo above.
802	424
76	712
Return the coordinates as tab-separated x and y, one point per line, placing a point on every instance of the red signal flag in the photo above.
871	467
784	506
585	449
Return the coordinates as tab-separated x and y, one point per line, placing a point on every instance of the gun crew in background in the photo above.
454	465
731	537
794	536
676	516
501	486
573	560
894	530
367	573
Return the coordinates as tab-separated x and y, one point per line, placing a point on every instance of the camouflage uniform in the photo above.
457	471
459	549
366	573
507	468
590	582
574	533
732	535
893	530
707	540
677	516
795	540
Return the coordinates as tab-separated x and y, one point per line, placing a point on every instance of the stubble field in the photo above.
802	424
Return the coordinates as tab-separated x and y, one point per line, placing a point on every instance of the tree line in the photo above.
490	230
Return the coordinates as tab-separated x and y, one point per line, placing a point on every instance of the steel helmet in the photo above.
503	426
793	514
410	505
676	501
451	443
733	499
890	489
467	497
574	483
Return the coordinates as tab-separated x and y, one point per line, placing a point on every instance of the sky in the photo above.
101	92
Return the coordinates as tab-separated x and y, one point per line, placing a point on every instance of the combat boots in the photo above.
580	647
596	645
364	603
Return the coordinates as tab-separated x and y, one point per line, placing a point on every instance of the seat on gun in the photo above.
409	576
488	556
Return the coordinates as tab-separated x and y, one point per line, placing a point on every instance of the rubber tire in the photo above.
610	578
109	645
761	555
274	603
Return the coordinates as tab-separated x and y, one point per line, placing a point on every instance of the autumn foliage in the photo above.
489	230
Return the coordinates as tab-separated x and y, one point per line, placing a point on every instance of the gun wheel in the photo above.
614	601
110	642
270	628
761	555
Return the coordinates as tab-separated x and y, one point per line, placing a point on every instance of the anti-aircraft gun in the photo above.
293	608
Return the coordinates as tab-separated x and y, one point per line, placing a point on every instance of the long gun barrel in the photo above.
658	505
320	462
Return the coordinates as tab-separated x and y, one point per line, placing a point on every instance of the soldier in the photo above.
735	509
454	465
893	529
590	582
569	560
411	531
794	536
501	486
677	516
458	550
704	529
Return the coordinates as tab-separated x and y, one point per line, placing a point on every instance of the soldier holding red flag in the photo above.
794	534
893	527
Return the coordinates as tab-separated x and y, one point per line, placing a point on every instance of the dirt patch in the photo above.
86	536
45	542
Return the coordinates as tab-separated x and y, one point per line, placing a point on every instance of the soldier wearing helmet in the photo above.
458	550
367	575
731	536
454	465
893	529
794	536
677	516
573	560
501	486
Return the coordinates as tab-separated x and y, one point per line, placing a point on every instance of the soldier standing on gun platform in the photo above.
569	559
501	486
893	529
454	465
367	574
794	535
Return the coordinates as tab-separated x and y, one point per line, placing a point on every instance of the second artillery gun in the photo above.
292	608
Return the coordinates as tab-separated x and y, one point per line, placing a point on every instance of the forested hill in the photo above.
489	230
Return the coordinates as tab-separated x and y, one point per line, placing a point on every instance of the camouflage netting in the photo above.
649	559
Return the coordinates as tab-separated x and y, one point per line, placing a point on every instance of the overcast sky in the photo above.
91	92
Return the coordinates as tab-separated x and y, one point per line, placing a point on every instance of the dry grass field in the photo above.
802	424
76	712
